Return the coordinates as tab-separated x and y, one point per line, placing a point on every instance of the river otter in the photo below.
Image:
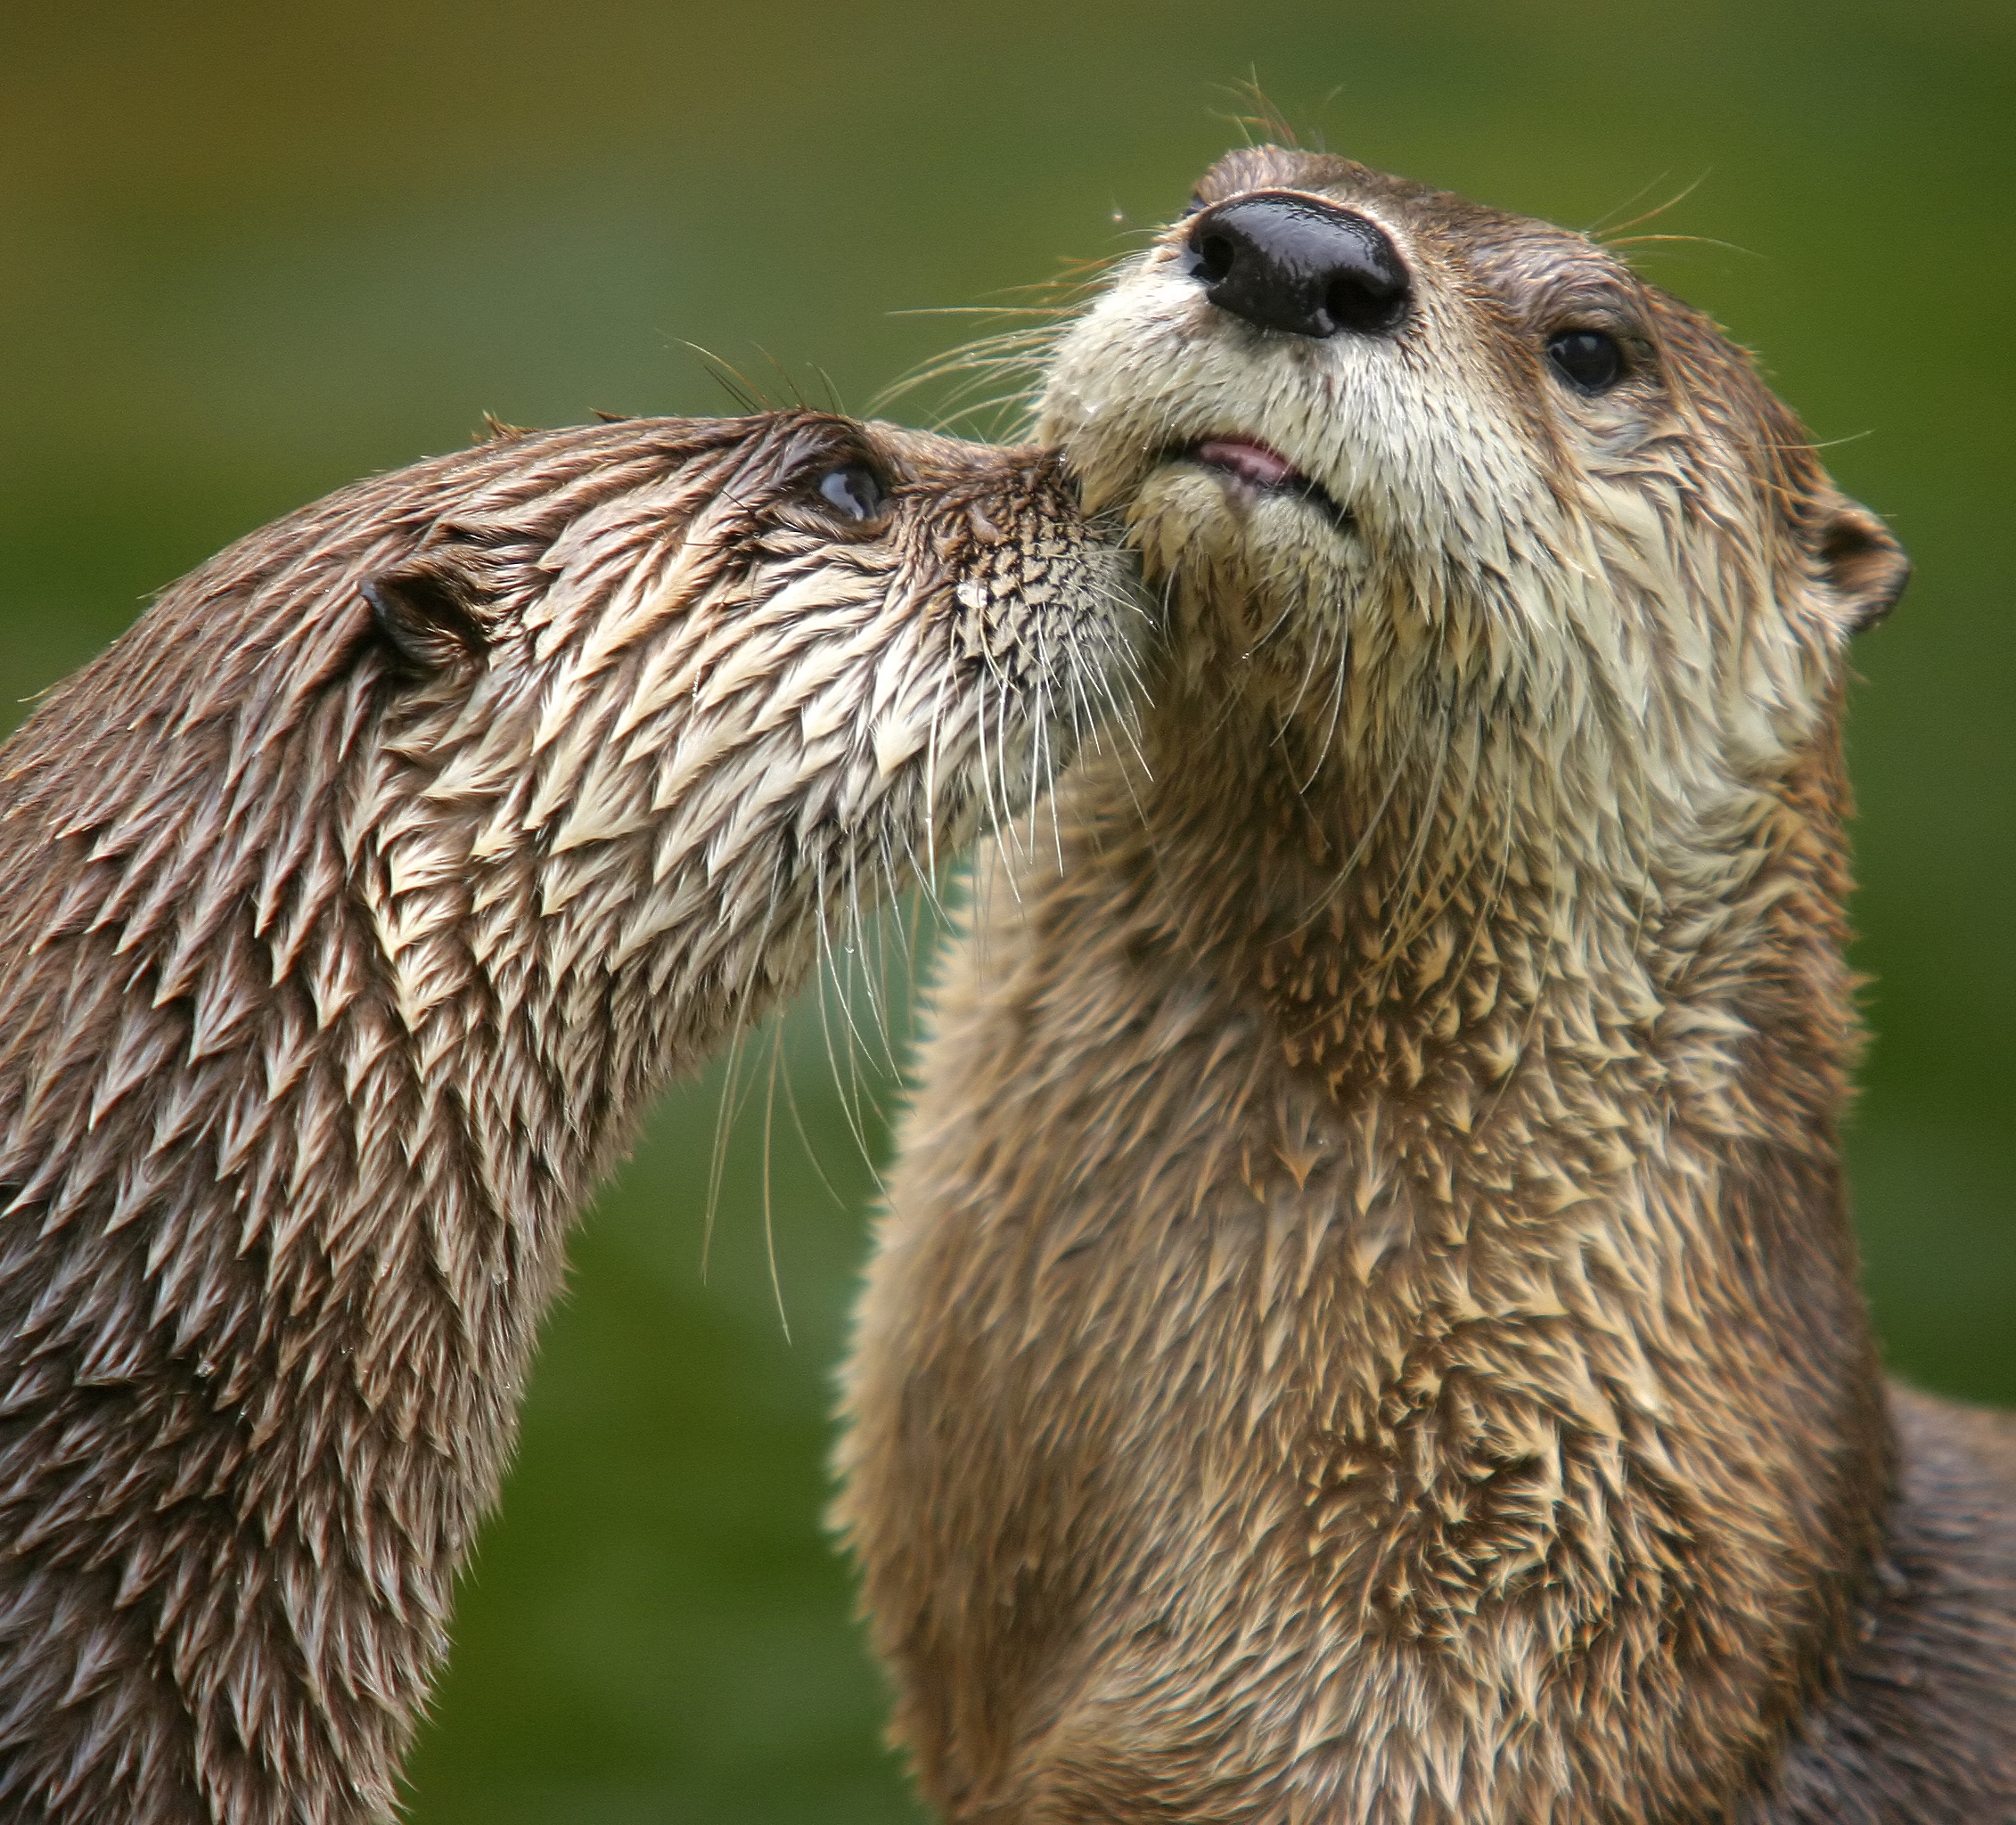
358	902
1366	1326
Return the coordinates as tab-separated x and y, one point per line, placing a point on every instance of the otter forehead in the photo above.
1436	217
1516	270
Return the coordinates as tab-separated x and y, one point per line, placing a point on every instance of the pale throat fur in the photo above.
1460	1257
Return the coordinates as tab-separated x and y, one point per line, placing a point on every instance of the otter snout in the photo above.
1299	263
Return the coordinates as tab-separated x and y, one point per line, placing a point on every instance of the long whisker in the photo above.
769	1225
830	973
723	1124
731	380
1651	215
811	1152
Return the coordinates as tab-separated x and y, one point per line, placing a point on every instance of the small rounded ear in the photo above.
1861	561
427	614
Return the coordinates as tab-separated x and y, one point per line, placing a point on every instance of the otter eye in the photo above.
856	492
1588	360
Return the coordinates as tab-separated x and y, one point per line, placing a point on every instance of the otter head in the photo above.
665	702
1394	454
564	750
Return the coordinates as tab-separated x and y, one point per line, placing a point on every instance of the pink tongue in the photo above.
1254	462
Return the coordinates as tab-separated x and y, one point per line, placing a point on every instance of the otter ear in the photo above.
1862	562
427	616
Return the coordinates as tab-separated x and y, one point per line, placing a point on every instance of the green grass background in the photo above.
249	252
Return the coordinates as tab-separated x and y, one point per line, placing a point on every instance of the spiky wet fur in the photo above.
1366	1326
334	970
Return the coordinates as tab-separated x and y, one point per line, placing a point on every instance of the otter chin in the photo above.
359	900
1366	1325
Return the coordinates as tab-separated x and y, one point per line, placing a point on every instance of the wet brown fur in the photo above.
1366	1326
357	903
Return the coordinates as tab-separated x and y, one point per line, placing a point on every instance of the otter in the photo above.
1366	1325
359	901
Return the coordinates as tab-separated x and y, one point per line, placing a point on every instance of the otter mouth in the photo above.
1264	470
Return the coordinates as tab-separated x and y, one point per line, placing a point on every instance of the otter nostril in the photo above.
1363	308
1299	263
1215	255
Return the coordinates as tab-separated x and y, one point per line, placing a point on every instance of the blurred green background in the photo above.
249	252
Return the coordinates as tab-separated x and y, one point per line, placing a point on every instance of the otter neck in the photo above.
1587	1379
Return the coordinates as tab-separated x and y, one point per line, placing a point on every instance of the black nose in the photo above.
1298	264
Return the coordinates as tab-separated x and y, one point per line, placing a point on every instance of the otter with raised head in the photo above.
1366	1326
358	902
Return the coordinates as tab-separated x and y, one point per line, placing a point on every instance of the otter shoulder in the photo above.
1924	1727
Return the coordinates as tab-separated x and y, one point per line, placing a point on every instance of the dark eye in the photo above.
1588	360
855	493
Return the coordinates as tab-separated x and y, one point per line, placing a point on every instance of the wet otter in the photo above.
358	899
1366	1326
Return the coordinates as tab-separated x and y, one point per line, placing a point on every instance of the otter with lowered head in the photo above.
358	902
1366	1326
